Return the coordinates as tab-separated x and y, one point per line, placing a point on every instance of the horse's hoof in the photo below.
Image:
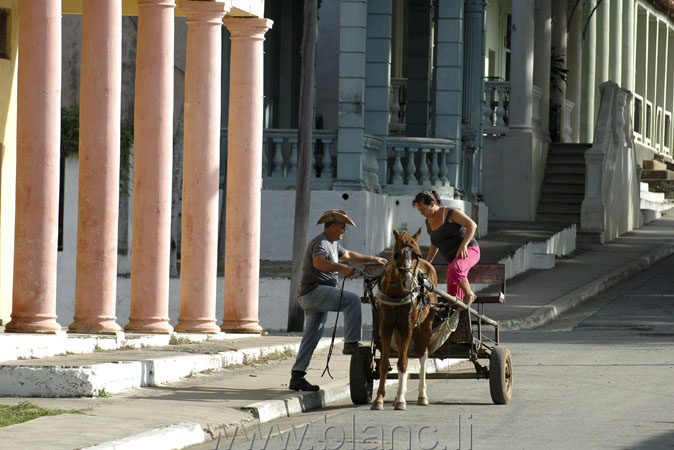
400	407
422	401
377	406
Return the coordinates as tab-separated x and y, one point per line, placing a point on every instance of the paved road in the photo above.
600	377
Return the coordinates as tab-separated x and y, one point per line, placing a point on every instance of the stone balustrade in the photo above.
414	162
279	158
496	107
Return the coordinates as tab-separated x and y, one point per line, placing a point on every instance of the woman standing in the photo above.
452	233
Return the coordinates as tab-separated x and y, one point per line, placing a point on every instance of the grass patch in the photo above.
25	411
180	340
278	355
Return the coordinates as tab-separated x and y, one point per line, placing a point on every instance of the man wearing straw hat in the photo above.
319	294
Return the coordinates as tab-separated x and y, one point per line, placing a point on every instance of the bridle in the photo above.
406	268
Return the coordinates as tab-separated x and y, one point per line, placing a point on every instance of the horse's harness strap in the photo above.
395	301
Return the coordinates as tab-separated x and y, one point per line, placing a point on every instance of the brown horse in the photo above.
405	315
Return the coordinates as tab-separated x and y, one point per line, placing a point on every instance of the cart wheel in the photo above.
360	377
501	375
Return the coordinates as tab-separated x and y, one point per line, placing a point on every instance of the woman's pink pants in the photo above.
457	271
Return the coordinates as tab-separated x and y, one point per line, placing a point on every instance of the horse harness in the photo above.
418	290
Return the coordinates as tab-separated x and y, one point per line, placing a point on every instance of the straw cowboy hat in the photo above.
335	215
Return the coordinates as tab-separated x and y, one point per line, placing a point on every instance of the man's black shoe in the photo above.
352	347
301	384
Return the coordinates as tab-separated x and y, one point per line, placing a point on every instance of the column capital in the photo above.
247	26
210	13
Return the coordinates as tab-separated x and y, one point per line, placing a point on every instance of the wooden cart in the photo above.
467	341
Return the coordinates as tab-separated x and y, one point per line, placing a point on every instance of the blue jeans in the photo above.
316	305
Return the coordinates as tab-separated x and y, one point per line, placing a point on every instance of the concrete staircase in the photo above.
657	188
563	186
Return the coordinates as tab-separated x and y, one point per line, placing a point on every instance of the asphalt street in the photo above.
598	377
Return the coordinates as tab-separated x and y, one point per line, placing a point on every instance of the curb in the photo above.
553	310
185	434
292	404
115	377
176	436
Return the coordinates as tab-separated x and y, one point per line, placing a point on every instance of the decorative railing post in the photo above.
326	170
397	121
313	158
397	166
411	168
487	111
443	166
292	164
434	166
265	158
495	111
567	108
501	106
277	158
423	166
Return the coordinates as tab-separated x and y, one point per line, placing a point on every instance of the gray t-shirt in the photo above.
311	276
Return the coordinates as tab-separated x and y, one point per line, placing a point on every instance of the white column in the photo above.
521	64
588	86
602	49
558	93
574	76
615	70
628	19
543	33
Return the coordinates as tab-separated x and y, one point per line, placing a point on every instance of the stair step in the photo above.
559	208
561	188
650	164
657	175
566	159
565	179
668	163
568	149
660	185
565	169
561	197
551	217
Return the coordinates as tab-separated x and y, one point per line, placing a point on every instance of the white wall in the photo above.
512	173
622	205
374	214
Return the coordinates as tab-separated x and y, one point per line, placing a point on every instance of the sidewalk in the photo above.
202	398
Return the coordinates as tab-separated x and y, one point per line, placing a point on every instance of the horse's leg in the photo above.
385	335
425	334
423	398
403	345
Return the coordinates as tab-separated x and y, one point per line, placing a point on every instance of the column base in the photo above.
95	325
33	325
159	326
241	326
197	326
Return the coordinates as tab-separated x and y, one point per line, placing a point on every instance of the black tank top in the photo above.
448	236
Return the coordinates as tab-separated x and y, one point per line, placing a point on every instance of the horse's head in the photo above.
406	256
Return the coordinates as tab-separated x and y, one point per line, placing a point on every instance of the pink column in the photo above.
244	174
37	167
153	150
201	167
96	280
